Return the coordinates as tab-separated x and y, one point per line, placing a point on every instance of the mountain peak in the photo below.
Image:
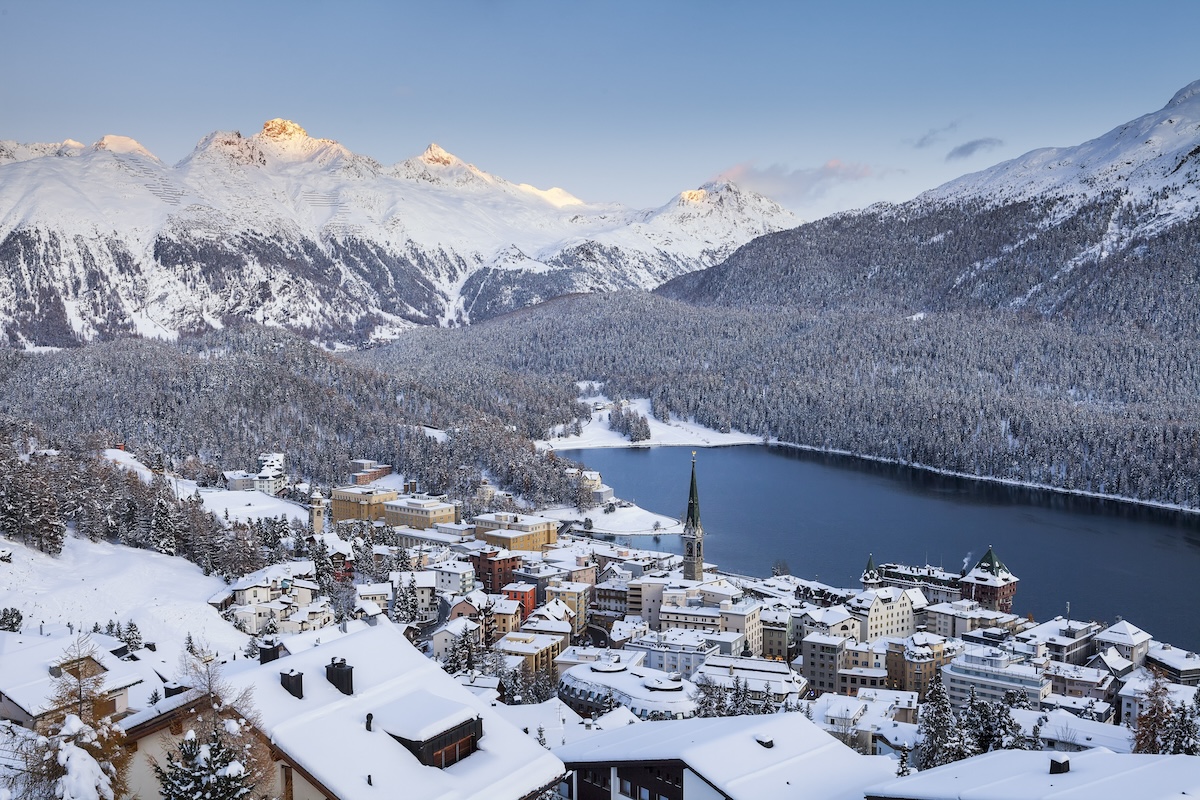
1185	94
434	154
120	144
282	130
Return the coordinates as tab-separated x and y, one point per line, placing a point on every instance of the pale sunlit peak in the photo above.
123	145
434	154
281	130
693	196
559	198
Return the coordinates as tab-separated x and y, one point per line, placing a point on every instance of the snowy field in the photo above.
240	506
96	581
677	432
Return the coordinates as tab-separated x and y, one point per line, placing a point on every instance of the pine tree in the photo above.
1182	736
903	770
1017	698
10	620
131	636
942	739
1155	718
322	566
209	771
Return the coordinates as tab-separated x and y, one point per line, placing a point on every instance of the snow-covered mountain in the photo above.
287	229
1104	232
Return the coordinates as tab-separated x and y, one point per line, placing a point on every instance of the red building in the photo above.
990	584
525	594
494	567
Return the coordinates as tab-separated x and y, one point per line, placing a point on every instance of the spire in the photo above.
991	564
692	520
871	573
693	534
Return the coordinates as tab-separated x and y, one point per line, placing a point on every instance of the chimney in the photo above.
269	650
370	719
1060	763
340	674
294	682
171	688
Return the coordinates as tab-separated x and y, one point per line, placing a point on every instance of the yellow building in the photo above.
516	531
359	502
539	650
418	511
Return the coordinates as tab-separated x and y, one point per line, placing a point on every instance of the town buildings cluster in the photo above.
648	674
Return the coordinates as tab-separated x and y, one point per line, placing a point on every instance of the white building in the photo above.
1130	641
674	650
887	611
992	672
761	676
644	691
454	577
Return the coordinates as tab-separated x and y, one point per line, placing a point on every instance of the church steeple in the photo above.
870	577
693	533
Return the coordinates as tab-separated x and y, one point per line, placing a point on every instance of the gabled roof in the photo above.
324	733
730	754
1123	633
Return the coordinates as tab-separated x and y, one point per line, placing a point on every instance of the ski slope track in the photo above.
281	228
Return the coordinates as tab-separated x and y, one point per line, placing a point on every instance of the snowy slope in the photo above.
1154	156
1104	232
288	229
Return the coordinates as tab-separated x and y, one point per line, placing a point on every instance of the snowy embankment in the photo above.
676	433
625	520
93	582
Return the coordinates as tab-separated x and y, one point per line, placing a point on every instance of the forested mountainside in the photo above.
214	402
1006	395
1106	233
285	229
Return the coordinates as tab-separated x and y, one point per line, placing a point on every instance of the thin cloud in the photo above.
972	147
933	136
795	185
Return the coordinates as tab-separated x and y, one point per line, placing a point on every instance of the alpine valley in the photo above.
284	229
1035	322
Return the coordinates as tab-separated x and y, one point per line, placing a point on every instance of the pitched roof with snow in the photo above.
324	733
775	755
1026	774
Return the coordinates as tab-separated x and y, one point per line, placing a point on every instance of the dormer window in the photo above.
438	731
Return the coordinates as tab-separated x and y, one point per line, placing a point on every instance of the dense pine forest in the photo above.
1007	395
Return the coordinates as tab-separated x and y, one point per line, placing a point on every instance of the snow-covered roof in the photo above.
1123	633
325	731
27	658
1066	727
777	755
1175	657
1026	774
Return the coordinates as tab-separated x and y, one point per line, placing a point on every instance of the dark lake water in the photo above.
824	514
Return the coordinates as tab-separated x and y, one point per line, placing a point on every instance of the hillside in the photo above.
1106	233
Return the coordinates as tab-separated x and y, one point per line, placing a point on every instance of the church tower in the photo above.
871	578
693	534
316	512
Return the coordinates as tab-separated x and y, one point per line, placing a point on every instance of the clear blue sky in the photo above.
824	106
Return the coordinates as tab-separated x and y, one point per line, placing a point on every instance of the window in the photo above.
626	788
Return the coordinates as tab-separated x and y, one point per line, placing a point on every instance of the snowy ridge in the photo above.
287	229
1156	156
